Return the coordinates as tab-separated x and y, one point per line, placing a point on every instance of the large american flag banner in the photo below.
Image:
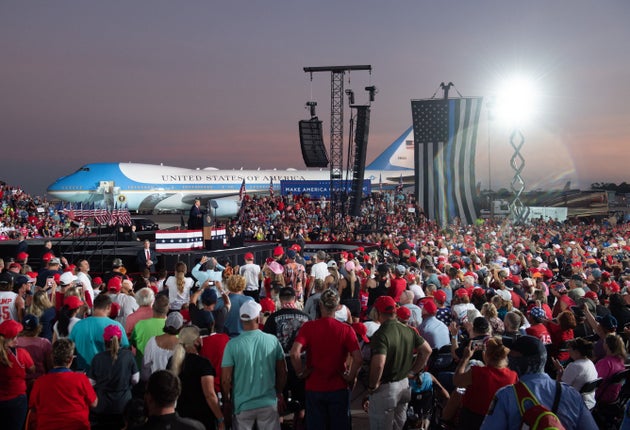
445	136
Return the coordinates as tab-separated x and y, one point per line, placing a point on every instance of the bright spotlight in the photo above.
516	101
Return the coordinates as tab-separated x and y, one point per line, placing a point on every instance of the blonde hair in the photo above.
351	278
540	295
40	303
180	276
113	345
236	283
496	352
489	310
187	338
4	357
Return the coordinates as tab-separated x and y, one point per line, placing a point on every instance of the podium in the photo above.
213	236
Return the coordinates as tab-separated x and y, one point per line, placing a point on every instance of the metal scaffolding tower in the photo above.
337	190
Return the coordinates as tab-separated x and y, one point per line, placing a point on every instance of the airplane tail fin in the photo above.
397	156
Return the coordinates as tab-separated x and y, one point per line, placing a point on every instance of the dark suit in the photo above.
141	259
195	219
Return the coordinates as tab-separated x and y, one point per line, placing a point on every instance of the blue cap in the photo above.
209	297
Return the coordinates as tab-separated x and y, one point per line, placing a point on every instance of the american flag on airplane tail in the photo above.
445	135
241	192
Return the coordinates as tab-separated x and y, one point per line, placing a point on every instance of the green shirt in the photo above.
143	331
253	355
397	342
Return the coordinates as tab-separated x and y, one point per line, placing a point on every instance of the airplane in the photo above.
149	187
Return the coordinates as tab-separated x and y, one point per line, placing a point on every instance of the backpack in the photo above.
537	416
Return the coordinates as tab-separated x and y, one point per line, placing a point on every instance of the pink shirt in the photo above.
143	313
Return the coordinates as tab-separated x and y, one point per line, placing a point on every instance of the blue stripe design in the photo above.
382	161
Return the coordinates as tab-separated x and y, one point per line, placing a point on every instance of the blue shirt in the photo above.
504	412
207	275
87	335
233	326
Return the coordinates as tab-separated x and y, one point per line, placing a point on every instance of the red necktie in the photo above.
148	255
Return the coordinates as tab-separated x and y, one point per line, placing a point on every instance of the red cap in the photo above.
10	328
278	251
430	307
248	256
361	330
114	284
385	305
440	296
477	291
403	313
46	257
591	295
72	302
461	292
22	256
15	266
96	282
114	310
267	305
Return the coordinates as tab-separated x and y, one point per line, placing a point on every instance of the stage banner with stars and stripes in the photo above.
178	240
445	136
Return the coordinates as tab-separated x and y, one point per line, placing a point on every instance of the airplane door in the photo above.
109	191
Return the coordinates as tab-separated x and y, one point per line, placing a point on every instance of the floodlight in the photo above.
516	101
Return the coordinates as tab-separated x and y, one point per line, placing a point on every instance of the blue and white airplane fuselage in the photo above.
147	187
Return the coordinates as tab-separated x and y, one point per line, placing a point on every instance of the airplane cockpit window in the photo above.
83	169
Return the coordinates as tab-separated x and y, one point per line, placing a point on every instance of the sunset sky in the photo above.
220	83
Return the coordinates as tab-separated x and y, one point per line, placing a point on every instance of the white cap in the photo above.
250	310
67	278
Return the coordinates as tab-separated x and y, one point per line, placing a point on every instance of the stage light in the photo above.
516	101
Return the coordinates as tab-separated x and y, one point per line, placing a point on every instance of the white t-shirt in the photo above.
128	305
154	358
175	298
8	310
319	270
417	291
86	283
578	373
251	272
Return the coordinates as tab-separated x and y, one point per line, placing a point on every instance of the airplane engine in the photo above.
225	207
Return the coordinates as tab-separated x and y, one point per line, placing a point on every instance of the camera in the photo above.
479	345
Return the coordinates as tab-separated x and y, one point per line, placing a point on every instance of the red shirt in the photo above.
558	339
14	378
62	400
327	343
539	331
485	383
212	348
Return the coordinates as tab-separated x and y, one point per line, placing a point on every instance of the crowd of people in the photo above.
535	311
